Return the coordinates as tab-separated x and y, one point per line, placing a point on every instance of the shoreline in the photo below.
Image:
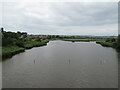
44	42
102	43
106	44
6	53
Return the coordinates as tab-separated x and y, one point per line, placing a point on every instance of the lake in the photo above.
62	64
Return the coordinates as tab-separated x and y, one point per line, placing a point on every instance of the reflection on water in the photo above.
63	64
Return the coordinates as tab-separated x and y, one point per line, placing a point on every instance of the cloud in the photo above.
97	18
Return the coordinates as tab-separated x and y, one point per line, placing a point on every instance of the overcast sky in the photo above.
71	18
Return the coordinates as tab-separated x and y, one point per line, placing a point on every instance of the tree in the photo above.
19	43
2	29
11	37
113	39
24	34
118	43
38	39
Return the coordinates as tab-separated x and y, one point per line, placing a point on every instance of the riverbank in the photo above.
16	42
33	43
10	50
102	42
107	44
79	40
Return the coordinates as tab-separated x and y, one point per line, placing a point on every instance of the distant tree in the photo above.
73	37
19	43
2	29
113	39
43	38
118	43
24	34
6	41
11	37
107	40
110	40
38	39
19	32
57	36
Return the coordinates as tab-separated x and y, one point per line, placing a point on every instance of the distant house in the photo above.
44	36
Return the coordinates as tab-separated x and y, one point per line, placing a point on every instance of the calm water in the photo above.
63	64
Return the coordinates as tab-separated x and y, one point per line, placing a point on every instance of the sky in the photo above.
63	18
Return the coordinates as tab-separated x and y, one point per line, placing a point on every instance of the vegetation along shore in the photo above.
13	43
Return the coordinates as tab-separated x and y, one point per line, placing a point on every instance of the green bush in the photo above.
19	44
38	39
9	51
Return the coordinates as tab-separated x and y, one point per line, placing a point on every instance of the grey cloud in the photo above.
51	17
94	14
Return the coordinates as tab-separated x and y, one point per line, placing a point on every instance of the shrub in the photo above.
19	44
38	39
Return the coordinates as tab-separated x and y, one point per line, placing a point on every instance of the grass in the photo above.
10	50
79	40
31	44
98	41
107	44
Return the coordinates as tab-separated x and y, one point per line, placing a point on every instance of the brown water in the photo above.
63	64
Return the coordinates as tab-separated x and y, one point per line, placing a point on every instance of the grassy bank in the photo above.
10	50
107	44
33	43
104	42
79	40
15	42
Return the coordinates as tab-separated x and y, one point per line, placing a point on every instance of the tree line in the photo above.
118	43
17	38
11	38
